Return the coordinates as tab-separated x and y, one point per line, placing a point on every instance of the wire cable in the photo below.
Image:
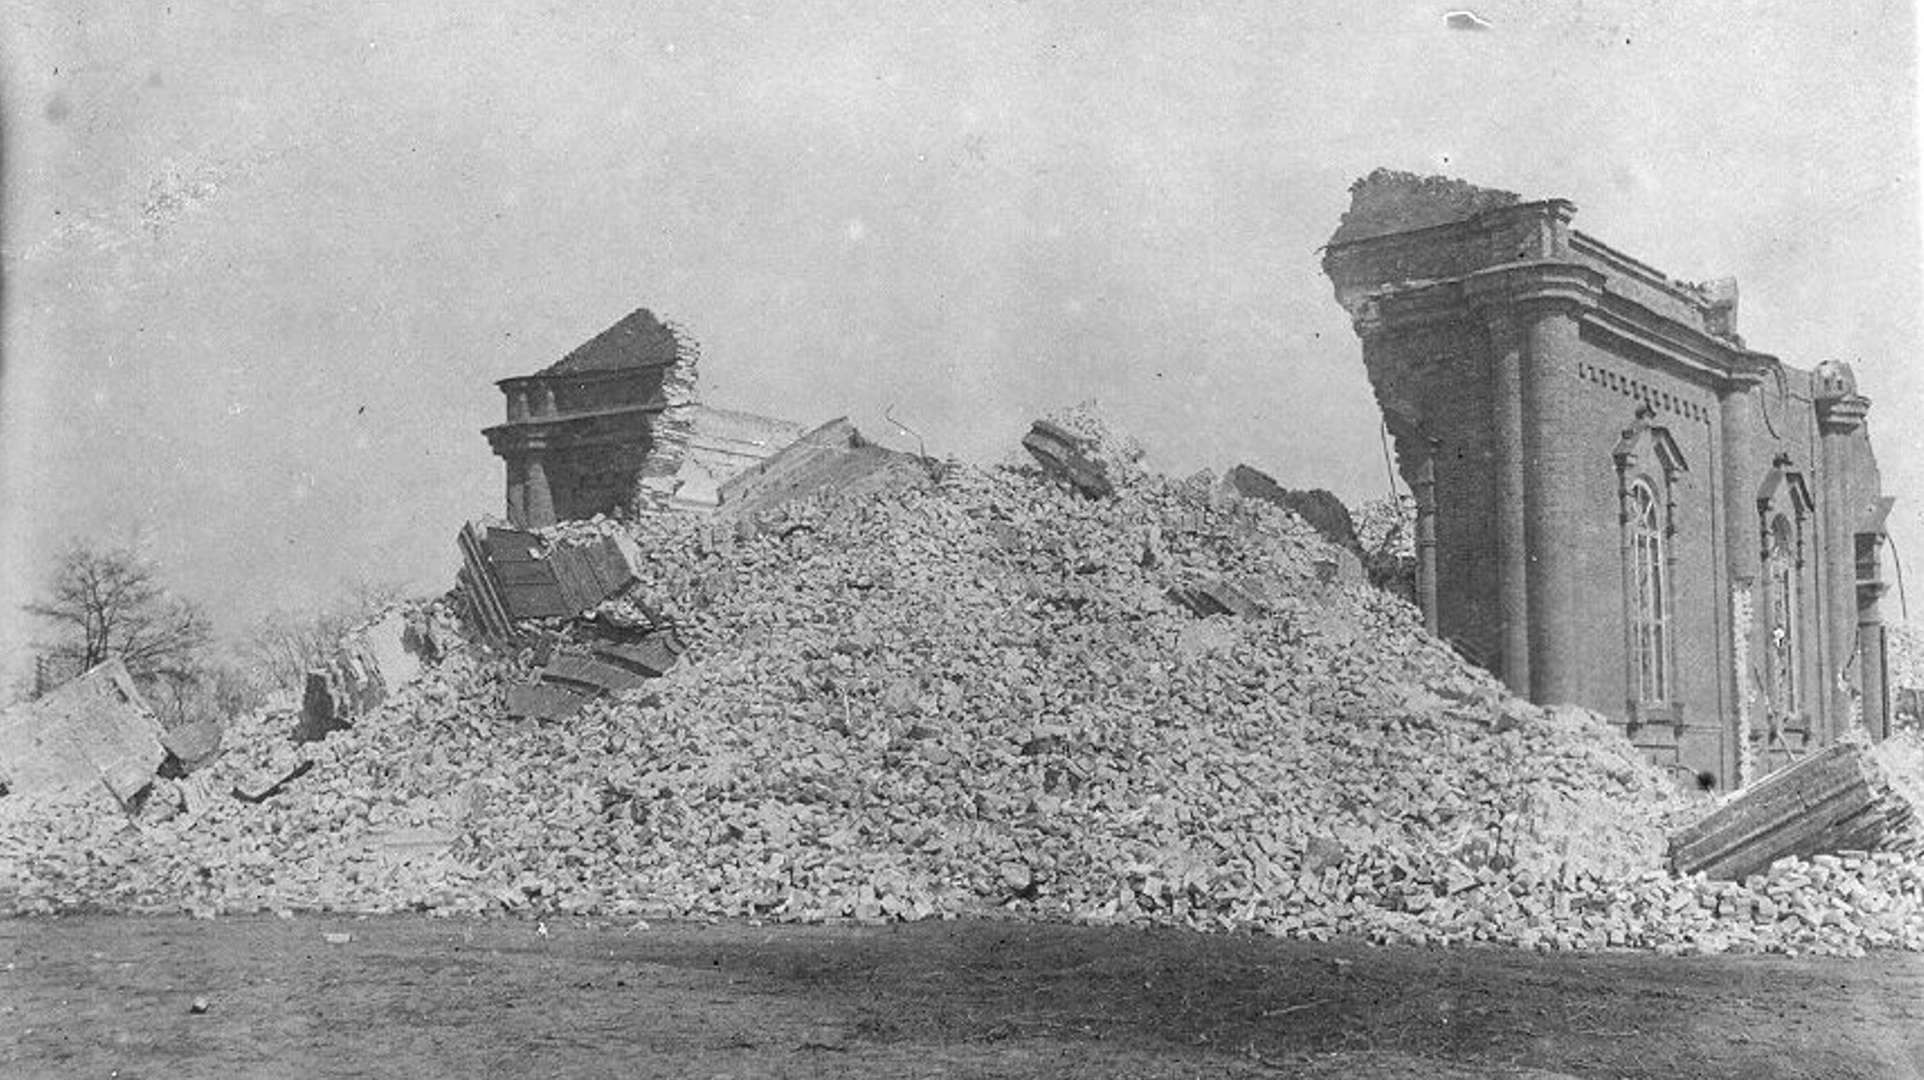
1389	469
1903	608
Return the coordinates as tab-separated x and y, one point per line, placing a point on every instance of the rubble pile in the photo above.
987	693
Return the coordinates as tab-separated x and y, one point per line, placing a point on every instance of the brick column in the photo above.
1416	461
1512	550
1532	311
537	506
1552	487
517	491
1425	491
1838	420
1738	471
1871	659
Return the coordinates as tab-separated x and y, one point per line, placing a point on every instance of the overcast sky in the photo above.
263	262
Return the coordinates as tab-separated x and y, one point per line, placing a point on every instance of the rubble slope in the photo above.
977	695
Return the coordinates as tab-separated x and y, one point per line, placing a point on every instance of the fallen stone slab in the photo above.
1215	596
1068	458
650	658
92	730
261	795
512	574
1834	800
190	747
834	457
542	701
589	675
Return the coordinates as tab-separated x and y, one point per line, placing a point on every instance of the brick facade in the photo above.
1620	505
579	431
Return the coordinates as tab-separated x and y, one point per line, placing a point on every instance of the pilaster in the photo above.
1532	312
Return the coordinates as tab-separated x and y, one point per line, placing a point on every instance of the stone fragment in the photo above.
94	732
1068	458
190	747
1834	800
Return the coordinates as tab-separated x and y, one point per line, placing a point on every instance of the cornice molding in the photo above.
1842	415
1538	283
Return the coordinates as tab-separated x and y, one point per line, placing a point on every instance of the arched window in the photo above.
1650	594
1780	570
1650	472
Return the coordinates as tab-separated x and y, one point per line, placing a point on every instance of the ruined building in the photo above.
1620	505
615	422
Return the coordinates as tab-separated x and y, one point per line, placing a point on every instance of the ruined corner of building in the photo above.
617	426
1591	447
1391	201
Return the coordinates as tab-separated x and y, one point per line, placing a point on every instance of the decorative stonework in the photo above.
1640	390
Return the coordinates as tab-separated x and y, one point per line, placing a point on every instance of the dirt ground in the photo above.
115	997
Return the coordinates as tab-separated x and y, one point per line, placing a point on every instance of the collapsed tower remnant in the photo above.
616	422
1620	506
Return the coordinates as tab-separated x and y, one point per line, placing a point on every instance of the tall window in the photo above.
1650	596
1780	568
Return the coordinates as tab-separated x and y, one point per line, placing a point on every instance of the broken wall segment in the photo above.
1834	800
617	426
834	457
511	574
370	663
1318	508
574	674
1069	458
578	433
720	444
92	730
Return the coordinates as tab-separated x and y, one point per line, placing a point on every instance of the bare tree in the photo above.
280	649
109	601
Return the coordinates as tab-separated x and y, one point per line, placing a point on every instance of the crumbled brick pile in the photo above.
977	695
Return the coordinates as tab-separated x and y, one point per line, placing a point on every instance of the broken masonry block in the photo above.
1214	596
832	458
300	769
542	701
512	574
1069	458
369	664
1834	800
93	729
189	747
1318	508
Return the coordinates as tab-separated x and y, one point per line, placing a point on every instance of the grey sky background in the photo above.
264	261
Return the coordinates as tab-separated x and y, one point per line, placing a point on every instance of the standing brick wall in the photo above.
1535	372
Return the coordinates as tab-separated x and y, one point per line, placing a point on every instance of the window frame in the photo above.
1650	597
1650	573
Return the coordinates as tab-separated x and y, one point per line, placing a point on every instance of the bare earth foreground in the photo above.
114	996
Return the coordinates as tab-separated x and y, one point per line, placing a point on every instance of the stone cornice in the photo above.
578	378
1581	290
1842	415
1538	283
572	429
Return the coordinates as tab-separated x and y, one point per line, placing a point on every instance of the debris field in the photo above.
1106	697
